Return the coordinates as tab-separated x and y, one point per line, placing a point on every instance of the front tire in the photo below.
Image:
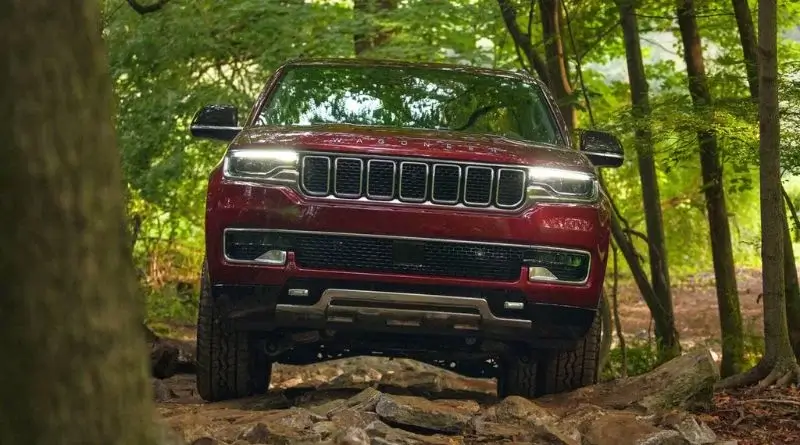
568	370
229	363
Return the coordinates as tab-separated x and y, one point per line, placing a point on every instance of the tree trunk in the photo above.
778	351
791	288
523	41
744	21
74	360
659	270
664	328
370	36
747	35
721	248
556	61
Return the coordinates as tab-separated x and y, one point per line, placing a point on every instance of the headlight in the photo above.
262	165
561	185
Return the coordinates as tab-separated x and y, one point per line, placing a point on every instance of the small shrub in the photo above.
641	358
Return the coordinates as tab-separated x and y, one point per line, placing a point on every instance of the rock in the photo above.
363	401
696	433
573	421
382	434
539	422
325	429
420	382
207	441
685	382
626	428
258	433
352	436
347	418
162	392
518	408
449	417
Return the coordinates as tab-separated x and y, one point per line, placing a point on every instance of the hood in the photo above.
435	144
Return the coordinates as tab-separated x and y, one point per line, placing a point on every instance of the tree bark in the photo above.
744	21
556	60
659	269
791	289
778	350
523	41
747	36
75	364
374	36
720	233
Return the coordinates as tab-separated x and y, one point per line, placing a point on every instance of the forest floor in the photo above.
749	416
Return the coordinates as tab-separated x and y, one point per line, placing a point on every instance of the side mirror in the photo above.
603	149
219	122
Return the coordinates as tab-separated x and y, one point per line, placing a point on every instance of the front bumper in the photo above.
458	313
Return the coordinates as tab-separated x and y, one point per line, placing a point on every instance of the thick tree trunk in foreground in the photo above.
791	289
556	60
720	233
373	37
668	344
744	21
778	351
74	367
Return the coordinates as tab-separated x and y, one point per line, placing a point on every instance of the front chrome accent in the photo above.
360	177
522	188
303	180
371	195
466	185
427	172
415	310
412	238
272	258
433	168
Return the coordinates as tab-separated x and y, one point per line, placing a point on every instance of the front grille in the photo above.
385	179
425	257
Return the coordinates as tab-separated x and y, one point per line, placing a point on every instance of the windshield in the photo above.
410	97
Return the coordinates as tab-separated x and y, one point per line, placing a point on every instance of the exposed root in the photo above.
781	375
748	378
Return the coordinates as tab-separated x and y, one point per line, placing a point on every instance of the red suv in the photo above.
429	211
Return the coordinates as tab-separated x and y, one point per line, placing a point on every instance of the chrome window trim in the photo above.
427	176
303	171
360	177
394	180
413	238
466	185
523	189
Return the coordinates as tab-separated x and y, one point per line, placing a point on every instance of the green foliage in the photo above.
168	64
641	358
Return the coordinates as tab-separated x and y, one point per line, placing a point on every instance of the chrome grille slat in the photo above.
348	177
409	181
446	188
412	180
477	187
379	186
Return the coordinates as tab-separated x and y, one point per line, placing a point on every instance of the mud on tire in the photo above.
563	371
229	363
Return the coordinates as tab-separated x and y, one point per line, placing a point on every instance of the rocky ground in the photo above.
371	400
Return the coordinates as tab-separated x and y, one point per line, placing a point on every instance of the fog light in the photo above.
513	305
539	273
298	292
273	258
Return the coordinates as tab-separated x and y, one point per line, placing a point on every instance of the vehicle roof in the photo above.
389	63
